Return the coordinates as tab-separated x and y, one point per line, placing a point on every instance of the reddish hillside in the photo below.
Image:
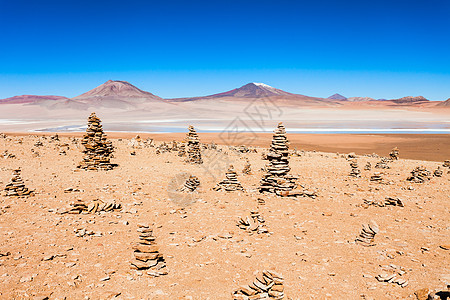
23	99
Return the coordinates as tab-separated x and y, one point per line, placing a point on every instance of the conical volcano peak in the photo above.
117	88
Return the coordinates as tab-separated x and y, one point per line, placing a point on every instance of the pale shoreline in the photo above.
428	147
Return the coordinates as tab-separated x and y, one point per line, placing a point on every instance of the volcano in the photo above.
116	89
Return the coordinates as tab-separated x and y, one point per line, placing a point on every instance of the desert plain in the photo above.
310	240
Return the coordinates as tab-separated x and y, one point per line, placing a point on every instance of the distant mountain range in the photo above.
123	95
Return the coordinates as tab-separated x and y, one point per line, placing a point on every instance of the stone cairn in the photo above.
146	253
383	163
190	185
446	164
276	180
182	150
355	172
419	175
368	166
194	155
376	177
230	183
367	235
247	168
438	172
98	150
394	154
254	223
16	187
268	285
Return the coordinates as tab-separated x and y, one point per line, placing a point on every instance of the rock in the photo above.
146	253
230	183
16	187
419	175
193	147
268	285
367	235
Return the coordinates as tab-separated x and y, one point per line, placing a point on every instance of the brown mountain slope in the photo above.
116	88
23	99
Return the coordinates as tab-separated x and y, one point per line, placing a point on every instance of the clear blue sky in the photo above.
380	49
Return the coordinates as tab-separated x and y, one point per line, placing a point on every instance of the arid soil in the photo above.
311	241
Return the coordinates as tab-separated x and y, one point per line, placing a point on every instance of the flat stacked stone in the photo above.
419	175
98	150
276	179
16	187
355	171
367	235
267	285
247	168
190	185
146	253
182	150
253	223
230	183
97	205
194	155
394	154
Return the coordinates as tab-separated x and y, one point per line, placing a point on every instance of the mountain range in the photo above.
123	95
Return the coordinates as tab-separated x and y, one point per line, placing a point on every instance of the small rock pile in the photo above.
367	235
383	163
268	285
193	147
388	201
182	150
247	168
6	154
438	172
377	177
355	172
38	143
253	223
394	154
446	164
97	205
368	166
146	253
190	185
230	183
2	135
16	187
276	178
98	150
392	278
419	175
54	138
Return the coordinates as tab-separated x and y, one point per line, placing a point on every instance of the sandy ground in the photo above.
430	147
208	256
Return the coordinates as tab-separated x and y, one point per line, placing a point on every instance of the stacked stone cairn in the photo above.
182	150
383	164
54	138
254	223
190	185
438	172
368	166
193	147
367	235
419	175
355	172
146	253
376	177
276	180
98	150
247	168
16	187
394	154
268	285
230	183
38	143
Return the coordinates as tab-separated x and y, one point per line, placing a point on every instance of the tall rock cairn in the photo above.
193	147
276	178
98	150
16	187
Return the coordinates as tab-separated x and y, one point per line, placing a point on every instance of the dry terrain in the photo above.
311	241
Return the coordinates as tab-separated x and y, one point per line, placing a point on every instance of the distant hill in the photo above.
25	99
337	97
410	99
116	88
360	99
445	103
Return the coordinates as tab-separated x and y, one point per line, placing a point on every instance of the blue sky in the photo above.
380	49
